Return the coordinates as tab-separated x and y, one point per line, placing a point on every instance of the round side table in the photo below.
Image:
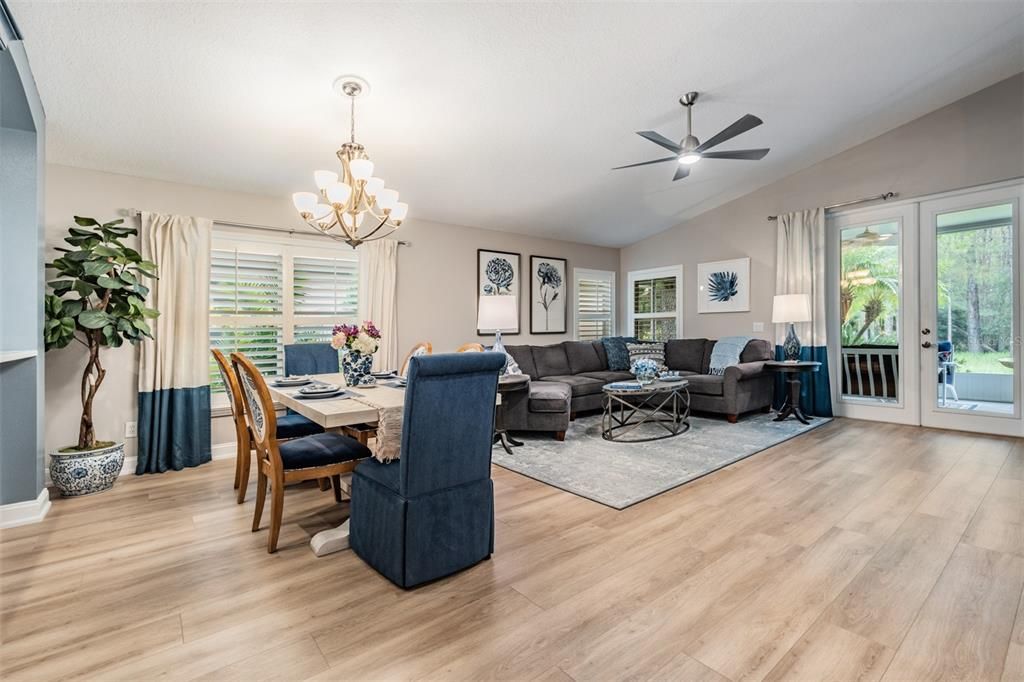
507	383
792	372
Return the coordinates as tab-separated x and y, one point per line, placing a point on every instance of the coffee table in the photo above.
665	403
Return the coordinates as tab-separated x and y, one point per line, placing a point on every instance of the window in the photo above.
656	303
595	304
265	294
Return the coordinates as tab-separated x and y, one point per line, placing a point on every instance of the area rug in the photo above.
621	474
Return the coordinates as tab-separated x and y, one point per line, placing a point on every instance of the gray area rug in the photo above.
622	474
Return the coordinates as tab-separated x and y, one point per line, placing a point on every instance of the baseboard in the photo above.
24	513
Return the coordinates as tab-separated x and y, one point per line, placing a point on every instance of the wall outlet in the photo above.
759	326
131	429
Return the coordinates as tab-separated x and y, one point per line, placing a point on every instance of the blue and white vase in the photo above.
357	367
86	472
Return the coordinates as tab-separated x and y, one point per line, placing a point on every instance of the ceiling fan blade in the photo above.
646	163
681	172
745	154
747	122
659	139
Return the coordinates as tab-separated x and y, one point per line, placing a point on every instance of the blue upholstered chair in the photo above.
310	358
431	513
323	455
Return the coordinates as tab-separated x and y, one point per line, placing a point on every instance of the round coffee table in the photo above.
792	371
665	403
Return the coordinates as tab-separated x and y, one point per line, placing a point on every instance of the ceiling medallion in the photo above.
343	203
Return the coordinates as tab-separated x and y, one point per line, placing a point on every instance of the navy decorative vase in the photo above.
357	367
791	346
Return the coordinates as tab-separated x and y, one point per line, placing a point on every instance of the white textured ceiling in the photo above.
502	116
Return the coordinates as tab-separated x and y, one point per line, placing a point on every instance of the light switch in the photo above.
759	326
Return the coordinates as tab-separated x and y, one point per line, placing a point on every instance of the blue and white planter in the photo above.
88	471
357	368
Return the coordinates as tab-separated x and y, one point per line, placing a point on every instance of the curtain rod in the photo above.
880	197
135	213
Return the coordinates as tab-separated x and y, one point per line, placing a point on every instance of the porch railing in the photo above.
870	372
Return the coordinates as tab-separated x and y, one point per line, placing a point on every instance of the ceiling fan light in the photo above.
689	158
304	201
374	185
338	193
324	179
399	212
387	199
361	169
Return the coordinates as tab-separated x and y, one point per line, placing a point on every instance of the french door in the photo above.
925	311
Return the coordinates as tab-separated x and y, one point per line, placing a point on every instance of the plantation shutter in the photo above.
325	292
595	305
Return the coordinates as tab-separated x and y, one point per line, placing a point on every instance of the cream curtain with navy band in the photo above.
800	269
380	293
174	381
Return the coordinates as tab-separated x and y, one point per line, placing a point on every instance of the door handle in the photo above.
926	344
926	331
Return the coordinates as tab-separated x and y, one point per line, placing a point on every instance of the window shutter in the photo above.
595	305
326	286
263	344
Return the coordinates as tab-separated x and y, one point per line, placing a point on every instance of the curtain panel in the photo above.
800	269
381	298
174	381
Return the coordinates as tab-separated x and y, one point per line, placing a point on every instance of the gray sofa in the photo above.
566	378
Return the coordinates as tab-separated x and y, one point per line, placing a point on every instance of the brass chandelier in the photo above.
343	203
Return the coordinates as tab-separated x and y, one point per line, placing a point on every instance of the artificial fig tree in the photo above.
98	300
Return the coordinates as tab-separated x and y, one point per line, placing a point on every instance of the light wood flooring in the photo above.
859	551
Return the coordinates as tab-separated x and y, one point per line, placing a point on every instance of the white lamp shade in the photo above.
347	218
387	199
324	179
304	202
400	211
321	211
497	313
791	308
374	185
361	169
338	193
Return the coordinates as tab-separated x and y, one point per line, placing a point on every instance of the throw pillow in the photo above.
650	350
618	354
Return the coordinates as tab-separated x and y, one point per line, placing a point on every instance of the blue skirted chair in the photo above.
310	358
431	513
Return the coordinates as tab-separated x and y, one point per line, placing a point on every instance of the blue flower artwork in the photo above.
723	286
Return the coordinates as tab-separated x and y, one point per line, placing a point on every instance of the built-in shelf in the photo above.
12	355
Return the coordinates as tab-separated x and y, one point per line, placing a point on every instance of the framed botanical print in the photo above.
497	274
723	286
548	287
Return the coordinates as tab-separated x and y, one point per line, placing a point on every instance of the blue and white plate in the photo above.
292	381
317	389
339	394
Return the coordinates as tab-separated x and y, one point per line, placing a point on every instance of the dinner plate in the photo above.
292	381
339	394
317	389
382	375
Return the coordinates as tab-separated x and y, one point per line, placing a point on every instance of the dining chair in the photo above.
310	358
278	463
288	426
421	348
431	513
470	348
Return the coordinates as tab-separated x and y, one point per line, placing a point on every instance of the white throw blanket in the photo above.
727	352
388	443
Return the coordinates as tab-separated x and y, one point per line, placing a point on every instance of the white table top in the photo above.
333	413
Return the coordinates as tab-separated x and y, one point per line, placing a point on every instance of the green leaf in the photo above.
84	288
97	267
106	251
113	223
86	222
60	286
108	283
150	312
147	267
72	309
141	326
127	277
93	319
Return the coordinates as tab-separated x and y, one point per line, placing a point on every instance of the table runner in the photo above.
388	442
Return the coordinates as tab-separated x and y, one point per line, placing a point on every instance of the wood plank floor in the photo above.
859	551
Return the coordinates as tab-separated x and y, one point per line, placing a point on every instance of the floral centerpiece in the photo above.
645	370
358	344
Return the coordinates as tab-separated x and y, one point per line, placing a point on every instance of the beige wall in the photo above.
436	281
976	140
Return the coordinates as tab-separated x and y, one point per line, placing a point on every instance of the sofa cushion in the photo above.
705	384
653	350
685	354
523	355
617	357
551	360
757	350
609	376
580	385
549	396
582	357
599	347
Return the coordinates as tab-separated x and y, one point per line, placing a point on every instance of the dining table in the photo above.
357	405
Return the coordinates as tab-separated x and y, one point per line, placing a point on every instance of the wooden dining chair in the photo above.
470	348
421	348
288	426
278	463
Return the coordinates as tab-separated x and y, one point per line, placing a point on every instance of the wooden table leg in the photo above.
792	404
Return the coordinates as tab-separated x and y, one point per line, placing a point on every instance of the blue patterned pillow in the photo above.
618	354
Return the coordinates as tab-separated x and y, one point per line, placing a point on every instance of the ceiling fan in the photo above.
691	150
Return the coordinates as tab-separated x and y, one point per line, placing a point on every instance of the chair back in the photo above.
448	423
259	409
470	348
421	348
310	358
234	392
945	351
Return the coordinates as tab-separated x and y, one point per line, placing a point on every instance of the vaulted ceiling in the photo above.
503	116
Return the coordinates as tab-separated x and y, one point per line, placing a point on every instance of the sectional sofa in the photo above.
566	378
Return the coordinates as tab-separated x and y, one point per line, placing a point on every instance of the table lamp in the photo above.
497	313
787	309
